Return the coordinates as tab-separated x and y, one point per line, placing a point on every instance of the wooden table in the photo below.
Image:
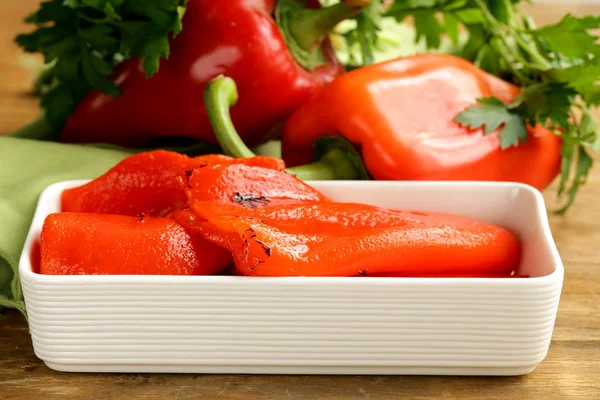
571	370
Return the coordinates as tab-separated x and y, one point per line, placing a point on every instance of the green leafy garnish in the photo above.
367	30
492	114
83	41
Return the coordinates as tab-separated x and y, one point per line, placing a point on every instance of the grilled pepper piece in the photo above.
248	186
340	239
103	244
279	229
401	115
146	183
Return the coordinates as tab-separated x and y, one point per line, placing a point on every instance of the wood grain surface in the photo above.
570	371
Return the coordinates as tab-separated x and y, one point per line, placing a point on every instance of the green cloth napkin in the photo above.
27	167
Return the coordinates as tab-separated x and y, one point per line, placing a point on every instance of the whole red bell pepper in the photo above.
400	114
278	63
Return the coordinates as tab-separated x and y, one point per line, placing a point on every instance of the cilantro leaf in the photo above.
545	102
452	27
570	37
85	39
491	114
366	32
428	26
469	16
426	22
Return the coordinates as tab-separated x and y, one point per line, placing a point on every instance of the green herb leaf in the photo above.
85	39
428	26
548	102
570	37
366	32
491	114
452	26
469	16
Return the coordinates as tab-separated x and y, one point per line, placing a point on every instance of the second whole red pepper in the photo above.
401	115
284	60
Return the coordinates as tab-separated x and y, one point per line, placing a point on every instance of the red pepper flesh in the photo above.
281	228
104	244
247	186
400	114
147	183
341	239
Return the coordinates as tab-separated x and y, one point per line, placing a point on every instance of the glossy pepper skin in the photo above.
247	186
278	234
105	244
147	183
238	38
341	239
400	113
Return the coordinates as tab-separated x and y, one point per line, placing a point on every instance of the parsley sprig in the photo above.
366	33
557	66
83	40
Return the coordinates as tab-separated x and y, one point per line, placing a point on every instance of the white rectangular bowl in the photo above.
311	325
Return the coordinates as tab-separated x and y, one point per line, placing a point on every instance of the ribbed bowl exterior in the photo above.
226	324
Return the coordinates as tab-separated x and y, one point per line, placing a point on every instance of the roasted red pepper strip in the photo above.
147	183
247	186
341	239
104	244
401	115
283	229
239	38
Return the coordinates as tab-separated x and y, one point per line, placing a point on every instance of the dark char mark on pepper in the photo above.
188	175
266	248
249	200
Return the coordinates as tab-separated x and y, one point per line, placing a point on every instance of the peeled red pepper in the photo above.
401	115
287	59
272	235
147	183
237	185
105	244
247	186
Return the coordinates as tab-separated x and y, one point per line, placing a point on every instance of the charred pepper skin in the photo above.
400	114
147	183
239	38
290	232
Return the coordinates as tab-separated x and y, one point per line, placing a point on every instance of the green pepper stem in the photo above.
40	129
334	165
219	95
336	161
309	26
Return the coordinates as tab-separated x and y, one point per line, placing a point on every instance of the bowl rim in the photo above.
540	217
